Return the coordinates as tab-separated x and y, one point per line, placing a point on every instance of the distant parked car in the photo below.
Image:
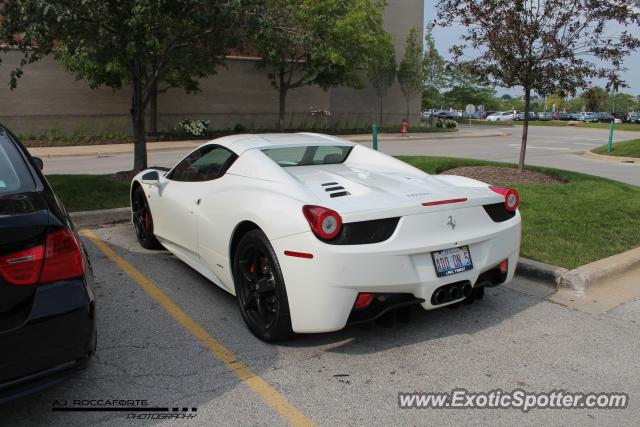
620	116
566	116
520	116
634	118
543	116
452	114
501	116
607	118
589	117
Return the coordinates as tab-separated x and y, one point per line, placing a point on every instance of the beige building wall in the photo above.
48	98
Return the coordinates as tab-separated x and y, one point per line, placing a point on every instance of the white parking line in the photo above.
586	143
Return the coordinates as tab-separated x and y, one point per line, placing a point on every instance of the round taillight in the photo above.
511	200
511	197
325	223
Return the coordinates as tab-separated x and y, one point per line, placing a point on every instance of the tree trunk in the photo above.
281	110
407	118
139	134
380	117
525	128
153	109
282	92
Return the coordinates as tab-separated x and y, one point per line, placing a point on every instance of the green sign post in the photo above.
375	137
610	146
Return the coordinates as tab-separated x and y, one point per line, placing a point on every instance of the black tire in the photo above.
260	288
143	221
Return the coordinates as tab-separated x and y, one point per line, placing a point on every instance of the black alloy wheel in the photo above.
143	221
260	288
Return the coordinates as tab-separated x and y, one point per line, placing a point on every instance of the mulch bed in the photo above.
498	174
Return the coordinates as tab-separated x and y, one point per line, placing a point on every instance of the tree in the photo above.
315	42
133	43
381	70
465	88
506	97
433	71
595	98
621	102
410	69
460	96
543	46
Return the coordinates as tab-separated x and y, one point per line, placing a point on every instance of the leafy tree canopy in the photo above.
126	42
315	42
410	69
546	46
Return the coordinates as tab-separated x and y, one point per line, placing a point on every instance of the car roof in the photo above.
243	142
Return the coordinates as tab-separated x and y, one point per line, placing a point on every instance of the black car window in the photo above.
14	174
305	155
206	163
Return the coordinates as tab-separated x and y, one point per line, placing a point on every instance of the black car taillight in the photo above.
60	258
22	268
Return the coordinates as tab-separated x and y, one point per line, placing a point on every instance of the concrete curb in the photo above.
100	217
611	158
586	275
540	271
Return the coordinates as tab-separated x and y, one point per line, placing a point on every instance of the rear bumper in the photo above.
322	290
58	337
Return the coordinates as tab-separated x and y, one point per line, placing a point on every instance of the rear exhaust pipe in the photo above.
466	290
441	296
455	292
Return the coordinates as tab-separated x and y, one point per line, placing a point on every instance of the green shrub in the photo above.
193	127
446	123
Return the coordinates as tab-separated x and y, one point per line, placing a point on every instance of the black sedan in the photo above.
47	303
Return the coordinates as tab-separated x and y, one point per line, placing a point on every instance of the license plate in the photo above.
452	261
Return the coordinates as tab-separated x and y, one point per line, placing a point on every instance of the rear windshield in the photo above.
306	155
14	175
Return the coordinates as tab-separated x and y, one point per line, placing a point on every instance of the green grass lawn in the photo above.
621	149
90	192
565	224
618	126
571	224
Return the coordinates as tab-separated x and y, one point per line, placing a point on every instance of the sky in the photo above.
445	38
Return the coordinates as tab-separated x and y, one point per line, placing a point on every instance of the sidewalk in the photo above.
112	149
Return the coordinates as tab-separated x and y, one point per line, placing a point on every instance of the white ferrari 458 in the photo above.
313	232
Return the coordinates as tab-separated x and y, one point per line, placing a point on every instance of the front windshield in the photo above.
306	155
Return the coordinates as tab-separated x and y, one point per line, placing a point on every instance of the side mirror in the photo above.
38	162
151	178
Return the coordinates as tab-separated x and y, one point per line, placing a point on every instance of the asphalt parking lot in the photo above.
170	337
